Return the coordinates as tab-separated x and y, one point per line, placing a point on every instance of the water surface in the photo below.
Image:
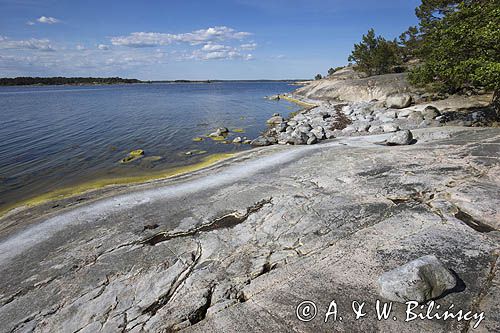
54	137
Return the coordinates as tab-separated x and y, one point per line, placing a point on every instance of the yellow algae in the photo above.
298	102
68	192
197	139
238	130
218	138
137	152
132	156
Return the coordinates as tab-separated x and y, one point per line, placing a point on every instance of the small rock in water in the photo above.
260	141
400	138
238	139
419	280
275	120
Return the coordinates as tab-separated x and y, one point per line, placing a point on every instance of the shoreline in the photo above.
73	191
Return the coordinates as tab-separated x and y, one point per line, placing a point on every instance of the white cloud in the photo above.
214	47
218	52
48	20
148	39
80	47
248	47
30	23
103	47
30	44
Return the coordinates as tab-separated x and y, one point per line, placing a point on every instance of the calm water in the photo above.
59	136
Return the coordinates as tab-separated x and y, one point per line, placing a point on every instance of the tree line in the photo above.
455	47
21	81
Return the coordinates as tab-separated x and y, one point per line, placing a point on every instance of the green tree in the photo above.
318	77
409	44
375	55
331	71
460	45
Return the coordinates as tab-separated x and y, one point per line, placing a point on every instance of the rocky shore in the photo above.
345	107
243	245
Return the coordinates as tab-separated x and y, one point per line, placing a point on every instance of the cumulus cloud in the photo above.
248	46
30	44
103	47
149	39
218	52
47	20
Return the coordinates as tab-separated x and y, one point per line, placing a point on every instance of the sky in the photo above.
190	39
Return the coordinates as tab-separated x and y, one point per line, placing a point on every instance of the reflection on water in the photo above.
54	137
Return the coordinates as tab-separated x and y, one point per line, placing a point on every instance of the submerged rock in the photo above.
132	156
419	280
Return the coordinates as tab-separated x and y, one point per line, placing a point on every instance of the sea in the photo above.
62	137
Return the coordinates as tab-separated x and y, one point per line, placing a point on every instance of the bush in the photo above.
460	45
318	77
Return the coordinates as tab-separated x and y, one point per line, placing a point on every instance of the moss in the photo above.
132	156
218	138
137	152
101	183
197	139
238	130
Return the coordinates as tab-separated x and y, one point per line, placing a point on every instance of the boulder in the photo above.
260	141
430	112
312	140
285	138
398	101
416	116
404	137
419	280
238	139
305	128
282	127
390	127
318	132
349	129
275	120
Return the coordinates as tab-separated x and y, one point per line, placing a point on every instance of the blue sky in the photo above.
217	39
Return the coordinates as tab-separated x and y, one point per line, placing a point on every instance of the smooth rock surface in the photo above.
236	247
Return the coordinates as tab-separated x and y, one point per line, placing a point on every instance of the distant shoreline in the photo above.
90	81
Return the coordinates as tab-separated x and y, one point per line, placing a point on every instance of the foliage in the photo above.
333	70
409	43
375	55
18	81
318	77
460	45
